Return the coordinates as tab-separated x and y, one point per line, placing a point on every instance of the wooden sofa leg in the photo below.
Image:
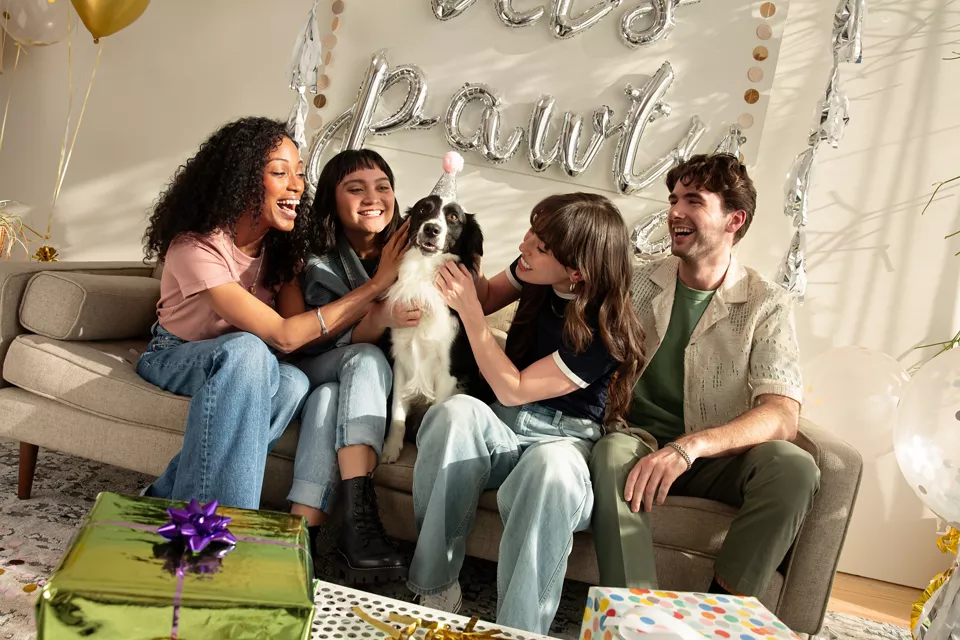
28	464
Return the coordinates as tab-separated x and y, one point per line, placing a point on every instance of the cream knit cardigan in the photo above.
744	346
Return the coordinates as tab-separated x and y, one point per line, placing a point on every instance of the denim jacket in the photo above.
329	277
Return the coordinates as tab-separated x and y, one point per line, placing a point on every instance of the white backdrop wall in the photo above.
880	275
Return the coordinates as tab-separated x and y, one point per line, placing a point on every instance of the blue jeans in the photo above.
348	406
242	400
537	459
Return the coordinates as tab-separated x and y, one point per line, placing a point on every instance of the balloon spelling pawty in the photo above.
106	17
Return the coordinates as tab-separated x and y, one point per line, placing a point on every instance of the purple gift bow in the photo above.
181	527
197	526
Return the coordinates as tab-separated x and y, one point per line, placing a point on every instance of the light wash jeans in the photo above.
242	400
537	459
348	406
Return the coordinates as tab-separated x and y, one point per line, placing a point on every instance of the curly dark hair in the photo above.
722	174
325	222
220	183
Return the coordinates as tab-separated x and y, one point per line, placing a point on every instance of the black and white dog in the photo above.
431	361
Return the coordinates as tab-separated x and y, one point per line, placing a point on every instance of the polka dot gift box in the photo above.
644	612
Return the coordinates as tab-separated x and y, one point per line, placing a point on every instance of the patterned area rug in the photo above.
34	533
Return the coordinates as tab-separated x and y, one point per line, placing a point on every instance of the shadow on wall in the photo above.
104	218
879	274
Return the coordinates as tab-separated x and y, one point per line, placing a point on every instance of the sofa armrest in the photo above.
813	562
14	277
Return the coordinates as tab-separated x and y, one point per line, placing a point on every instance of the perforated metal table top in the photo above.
335	619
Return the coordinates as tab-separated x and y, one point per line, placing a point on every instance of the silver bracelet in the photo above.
323	325
682	452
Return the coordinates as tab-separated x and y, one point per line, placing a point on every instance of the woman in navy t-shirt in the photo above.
573	354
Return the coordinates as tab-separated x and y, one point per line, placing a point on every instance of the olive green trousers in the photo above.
773	486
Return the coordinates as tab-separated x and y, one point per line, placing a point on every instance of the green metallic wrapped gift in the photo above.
120	578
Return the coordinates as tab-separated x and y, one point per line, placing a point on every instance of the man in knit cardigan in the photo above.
719	398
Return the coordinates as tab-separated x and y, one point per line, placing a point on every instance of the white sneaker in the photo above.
449	600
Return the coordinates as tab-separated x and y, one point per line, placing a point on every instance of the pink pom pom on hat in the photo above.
452	162
446	186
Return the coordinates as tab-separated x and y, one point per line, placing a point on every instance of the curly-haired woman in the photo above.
230	231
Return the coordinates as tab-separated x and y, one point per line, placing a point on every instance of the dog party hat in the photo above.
446	186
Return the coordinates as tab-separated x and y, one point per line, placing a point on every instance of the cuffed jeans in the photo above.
242	400
772	484
537	459
348	406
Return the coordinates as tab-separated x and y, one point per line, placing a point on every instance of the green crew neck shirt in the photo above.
657	405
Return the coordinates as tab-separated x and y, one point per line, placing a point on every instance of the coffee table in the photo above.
335	620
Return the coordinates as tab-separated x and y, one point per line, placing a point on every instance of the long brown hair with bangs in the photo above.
586	232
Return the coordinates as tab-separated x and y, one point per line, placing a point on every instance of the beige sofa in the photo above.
71	390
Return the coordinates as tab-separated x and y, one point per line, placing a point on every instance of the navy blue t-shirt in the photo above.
591	369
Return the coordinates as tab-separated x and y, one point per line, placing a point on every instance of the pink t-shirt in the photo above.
194	264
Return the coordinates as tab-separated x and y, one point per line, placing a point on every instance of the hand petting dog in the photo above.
458	289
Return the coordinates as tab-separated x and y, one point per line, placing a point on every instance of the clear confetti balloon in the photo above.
927	435
854	392
36	22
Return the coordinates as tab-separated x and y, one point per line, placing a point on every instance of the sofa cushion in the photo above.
85	306
101	378
688	524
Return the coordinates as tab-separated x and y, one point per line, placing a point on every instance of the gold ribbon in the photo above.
65	153
917	609
6	109
46	253
948	543
434	630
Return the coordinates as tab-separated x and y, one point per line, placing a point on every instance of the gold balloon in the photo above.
105	17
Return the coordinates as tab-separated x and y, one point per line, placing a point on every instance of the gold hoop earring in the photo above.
573	285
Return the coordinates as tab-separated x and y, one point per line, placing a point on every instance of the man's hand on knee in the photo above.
651	478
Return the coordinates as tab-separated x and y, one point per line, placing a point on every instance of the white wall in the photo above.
880	275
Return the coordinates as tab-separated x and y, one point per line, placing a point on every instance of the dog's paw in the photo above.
392	447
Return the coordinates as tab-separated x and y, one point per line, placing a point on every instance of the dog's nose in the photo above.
431	230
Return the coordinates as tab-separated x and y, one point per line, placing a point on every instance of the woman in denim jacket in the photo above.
356	243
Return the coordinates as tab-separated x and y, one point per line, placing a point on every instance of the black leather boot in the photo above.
364	551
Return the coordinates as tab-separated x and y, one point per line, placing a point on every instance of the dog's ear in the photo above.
471	243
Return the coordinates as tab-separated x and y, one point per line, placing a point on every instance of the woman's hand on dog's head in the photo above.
390	257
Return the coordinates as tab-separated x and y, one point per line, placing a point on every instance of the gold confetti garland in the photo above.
434	630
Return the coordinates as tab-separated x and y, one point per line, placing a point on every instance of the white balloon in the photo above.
927	435
36	22
854	392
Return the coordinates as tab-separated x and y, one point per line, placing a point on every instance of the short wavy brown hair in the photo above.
722	174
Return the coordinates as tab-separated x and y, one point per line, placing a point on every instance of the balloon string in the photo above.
66	163
66	130
3	41
6	109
